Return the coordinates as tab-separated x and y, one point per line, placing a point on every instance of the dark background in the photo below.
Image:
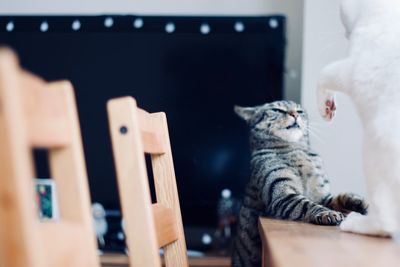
195	78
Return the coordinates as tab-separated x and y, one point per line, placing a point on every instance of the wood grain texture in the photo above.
24	240
45	112
127	126
150	132
165	224
167	194
133	185
152	143
298	244
121	260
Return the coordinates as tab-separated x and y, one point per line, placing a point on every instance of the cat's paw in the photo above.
326	104
328	108
361	224
355	203
328	217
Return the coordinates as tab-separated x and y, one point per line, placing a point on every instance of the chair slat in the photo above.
46	113
152	143
150	133
165	224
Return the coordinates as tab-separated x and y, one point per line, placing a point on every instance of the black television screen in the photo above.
193	68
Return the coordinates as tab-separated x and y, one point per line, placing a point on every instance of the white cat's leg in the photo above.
333	78
382	168
381	219
362	224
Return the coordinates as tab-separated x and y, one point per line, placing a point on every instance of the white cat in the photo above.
371	77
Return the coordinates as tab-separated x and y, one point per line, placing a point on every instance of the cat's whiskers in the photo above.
315	134
315	127
314	122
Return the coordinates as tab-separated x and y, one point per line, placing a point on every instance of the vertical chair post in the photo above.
132	183
167	193
18	217
67	166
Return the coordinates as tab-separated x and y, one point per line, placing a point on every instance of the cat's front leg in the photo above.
297	207
346	203
333	78
321	215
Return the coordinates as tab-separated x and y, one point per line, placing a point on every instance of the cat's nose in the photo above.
294	114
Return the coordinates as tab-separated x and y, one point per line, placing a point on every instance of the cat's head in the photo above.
283	119
358	13
350	11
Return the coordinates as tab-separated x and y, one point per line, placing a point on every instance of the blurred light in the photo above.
108	22
10	26
44	27
226	193
138	23
239	26
170	27
273	23
120	236
205	28
206	239
76	25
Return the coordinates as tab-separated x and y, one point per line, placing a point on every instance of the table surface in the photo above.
121	260
288	244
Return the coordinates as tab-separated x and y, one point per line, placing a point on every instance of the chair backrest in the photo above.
37	114
148	226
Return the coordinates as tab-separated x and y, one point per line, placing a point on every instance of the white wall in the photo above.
292	8
340	141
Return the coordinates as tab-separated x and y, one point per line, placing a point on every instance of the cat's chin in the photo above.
290	135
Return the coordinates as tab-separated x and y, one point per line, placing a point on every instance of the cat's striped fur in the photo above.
287	179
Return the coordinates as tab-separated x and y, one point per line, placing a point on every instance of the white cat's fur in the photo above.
371	77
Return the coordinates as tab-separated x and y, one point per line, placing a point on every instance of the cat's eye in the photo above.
300	112
278	110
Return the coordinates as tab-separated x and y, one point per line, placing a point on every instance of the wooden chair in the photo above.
36	114
148	226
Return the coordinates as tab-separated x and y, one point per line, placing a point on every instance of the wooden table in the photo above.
294	244
121	260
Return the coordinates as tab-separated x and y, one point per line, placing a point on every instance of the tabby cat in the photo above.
287	179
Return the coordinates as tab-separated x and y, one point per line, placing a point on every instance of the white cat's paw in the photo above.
327	107
351	222
362	224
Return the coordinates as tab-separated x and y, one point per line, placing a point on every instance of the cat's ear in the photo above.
245	113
